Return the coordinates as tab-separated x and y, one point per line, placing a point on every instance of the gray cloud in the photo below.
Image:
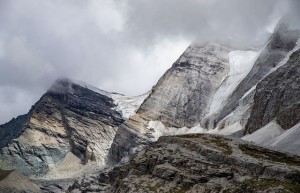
116	45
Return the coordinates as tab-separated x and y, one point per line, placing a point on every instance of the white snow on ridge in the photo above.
90	87
128	105
266	134
241	62
125	104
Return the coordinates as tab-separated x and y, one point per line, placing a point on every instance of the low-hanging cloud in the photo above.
116	45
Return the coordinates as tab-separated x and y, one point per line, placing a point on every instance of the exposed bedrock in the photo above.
198	163
278	97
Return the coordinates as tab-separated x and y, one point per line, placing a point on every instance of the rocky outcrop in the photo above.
276	50
278	97
199	163
68	118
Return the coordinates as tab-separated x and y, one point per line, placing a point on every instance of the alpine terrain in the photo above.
223	118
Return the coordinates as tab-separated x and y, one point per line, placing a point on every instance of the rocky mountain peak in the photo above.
68	119
63	86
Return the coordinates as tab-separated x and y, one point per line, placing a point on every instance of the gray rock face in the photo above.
278	97
277	48
182	96
11	130
199	163
68	118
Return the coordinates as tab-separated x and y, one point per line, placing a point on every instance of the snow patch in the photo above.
241	62
128	105
159	129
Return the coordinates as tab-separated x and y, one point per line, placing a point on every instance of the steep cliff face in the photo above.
180	98
198	163
183	95
278	97
69	118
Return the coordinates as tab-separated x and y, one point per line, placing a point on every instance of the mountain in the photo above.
78	138
69	121
210	88
277	49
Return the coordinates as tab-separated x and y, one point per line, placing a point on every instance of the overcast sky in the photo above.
116	45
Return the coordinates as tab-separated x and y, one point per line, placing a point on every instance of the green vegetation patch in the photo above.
217	141
223	143
264	184
180	189
191	136
275	156
156	187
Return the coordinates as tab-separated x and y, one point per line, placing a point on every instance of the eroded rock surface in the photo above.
199	163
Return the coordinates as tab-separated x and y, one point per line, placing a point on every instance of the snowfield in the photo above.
241	62
128	105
